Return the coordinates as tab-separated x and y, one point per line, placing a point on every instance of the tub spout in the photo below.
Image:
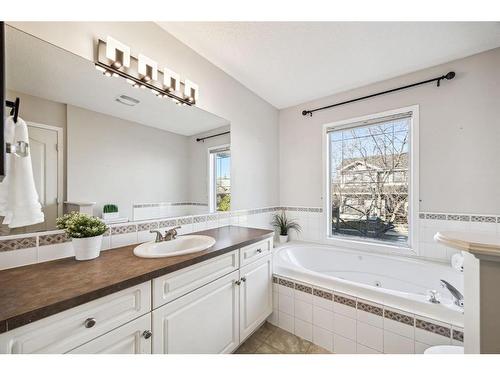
458	297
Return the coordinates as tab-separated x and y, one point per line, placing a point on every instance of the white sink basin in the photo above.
180	246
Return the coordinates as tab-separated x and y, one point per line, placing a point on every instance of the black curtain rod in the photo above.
211	136
14	108
448	76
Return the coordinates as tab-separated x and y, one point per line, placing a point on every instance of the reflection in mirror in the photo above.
96	141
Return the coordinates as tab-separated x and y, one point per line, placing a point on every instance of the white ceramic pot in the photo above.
87	248
283	239
110	215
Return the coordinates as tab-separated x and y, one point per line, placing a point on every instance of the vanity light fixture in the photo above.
190	91
148	69
171	80
118	53
115	60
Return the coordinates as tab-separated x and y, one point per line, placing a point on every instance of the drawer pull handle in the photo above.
147	334
89	323
237	282
243	279
259	251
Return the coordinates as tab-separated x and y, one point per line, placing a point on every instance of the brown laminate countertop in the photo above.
36	291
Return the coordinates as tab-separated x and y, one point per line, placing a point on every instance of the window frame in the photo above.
365	244
212	191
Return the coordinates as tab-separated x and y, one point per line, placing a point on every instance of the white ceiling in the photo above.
40	69
288	63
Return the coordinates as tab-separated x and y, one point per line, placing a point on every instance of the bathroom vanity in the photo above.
205	302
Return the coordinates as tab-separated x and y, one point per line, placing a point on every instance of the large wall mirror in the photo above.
97	141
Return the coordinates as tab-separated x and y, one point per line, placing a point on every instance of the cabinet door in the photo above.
131	338
203	321
256	295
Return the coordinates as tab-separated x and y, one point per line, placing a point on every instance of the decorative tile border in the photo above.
185	220
483	219
433	328
275	280
369	308
398	317
288	284
52	239
166	204
167	223
458	335
460	217
123	229
18	243
323	294
199	219
344	301
303	288
147	226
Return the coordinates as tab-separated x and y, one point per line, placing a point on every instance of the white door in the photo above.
256	295
44	150
131	338
204	321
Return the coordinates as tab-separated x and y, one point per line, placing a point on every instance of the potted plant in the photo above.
110	211
283	224
86	233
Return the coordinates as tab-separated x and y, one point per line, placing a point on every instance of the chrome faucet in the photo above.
458	297
169	235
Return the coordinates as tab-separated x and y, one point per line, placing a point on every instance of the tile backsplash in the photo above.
18	250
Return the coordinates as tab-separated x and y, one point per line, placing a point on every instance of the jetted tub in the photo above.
399	282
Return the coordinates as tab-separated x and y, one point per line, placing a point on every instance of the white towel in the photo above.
21	206
4	185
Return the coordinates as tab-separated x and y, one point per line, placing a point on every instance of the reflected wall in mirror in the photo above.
98	141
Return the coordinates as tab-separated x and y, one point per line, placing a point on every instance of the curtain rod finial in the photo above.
307	113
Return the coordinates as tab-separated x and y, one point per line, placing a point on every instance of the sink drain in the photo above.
378	283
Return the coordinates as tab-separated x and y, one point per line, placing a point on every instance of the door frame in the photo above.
60	161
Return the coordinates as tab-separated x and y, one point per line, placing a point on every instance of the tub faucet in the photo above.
458	297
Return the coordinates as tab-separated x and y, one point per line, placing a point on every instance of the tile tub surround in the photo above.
345	324
33	292
19	250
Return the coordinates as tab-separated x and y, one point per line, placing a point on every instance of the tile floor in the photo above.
269	339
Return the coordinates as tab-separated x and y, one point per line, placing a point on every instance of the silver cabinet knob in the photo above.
243	279
259	251
89	323
147	334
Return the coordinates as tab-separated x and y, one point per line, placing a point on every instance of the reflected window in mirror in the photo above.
220	178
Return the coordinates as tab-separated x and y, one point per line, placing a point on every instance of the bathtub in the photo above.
397	282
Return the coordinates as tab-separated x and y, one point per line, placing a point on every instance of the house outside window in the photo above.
371	179
220	179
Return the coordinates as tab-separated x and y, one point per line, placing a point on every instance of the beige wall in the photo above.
111	160
254	122
459	136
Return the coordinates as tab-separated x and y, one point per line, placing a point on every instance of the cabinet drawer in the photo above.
169	287
132	338
255	251
67	330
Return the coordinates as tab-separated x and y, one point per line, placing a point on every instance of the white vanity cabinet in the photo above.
203	321
256	295
209	307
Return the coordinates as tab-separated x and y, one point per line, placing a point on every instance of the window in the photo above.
369	179
220	179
